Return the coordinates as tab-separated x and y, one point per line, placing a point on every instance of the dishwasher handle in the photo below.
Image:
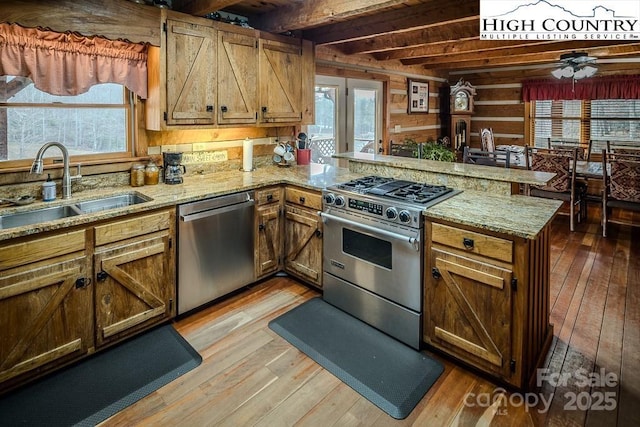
216	211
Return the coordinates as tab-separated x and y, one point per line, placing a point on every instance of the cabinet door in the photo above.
303	244
237	78
468	311
280	81
135	286
46	315
268	239
191	81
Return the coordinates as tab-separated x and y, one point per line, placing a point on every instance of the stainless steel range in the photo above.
373	255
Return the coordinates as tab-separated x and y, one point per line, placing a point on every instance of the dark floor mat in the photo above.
103	384
388	373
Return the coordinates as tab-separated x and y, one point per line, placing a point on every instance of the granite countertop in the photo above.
521	176
514	215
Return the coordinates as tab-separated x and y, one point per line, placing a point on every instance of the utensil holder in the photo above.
304	156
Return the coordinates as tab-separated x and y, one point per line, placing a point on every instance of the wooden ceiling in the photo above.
435	34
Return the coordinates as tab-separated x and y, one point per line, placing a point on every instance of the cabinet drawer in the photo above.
38	249
469	241
268	195
128	228
302	197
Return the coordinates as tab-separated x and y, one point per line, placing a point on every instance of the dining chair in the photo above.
621	187
487	158
486	138
564	185
583	153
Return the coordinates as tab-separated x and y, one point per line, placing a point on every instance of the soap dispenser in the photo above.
48	189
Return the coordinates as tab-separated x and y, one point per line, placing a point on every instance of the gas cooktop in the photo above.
390	188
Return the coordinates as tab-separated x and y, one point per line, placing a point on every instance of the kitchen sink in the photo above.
112	202
37	215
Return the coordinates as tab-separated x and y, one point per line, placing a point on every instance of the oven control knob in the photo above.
391	213
329	198
339	201
405	217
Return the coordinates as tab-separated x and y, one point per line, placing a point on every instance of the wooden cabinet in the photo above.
268	231
486	300
191	83
303	235
280	81
237	78
64	294
207	74
46	304
134	266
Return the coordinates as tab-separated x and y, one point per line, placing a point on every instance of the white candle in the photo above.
247	155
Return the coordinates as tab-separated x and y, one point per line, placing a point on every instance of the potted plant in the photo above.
432	150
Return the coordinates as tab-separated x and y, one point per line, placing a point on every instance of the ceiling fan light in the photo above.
586	71
557	73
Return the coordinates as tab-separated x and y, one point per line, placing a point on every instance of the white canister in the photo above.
48	190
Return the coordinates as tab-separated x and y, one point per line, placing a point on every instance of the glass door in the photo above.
348	117
364	115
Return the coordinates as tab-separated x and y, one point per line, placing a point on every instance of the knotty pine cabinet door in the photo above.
303	244
191	75
468	310
237	78
268	230
281	77
46	305
134	272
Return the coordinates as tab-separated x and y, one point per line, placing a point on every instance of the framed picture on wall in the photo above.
418	94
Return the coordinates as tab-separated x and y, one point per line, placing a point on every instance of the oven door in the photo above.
374	255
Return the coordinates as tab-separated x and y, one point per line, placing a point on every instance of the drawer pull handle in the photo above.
302	200
318	233
269	197
101	276
435	273
82	282
261	227
224	108
468	243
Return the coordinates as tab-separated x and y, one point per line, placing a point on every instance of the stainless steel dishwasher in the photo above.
215	248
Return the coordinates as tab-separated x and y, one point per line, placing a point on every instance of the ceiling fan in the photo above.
576	65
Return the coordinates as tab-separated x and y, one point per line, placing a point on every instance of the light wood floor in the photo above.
251	376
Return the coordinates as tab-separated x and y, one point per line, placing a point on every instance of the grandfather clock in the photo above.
461	104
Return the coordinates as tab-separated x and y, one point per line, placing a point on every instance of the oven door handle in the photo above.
414	241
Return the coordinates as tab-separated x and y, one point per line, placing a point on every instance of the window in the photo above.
96	123
576	121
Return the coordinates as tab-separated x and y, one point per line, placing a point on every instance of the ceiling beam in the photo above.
202	7
395	21
467	47
474	51
315	13
551	58
462	30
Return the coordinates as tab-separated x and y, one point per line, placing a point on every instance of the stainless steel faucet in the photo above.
36	167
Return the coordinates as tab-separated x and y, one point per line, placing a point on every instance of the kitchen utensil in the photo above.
302	140
277	158
22	200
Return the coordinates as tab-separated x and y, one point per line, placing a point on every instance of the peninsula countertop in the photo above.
511	175
513	215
